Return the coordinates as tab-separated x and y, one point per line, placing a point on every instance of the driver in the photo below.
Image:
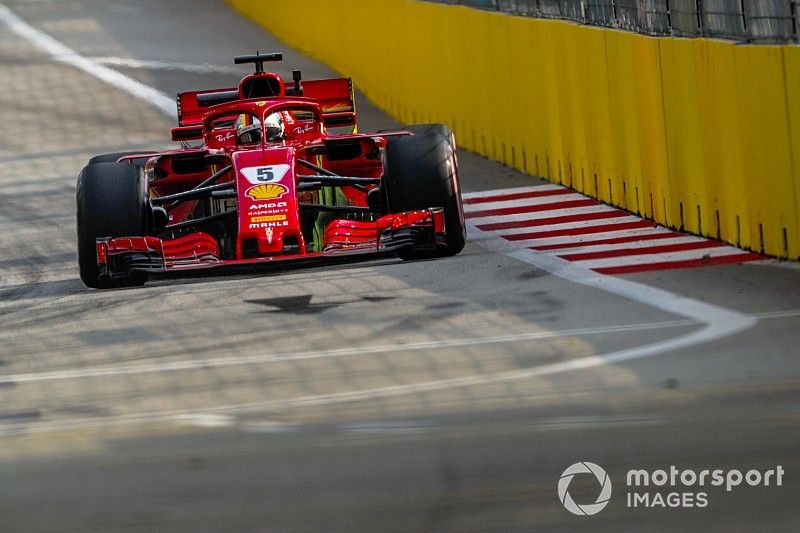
273	124
248	130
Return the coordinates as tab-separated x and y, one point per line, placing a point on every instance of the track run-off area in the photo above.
429	395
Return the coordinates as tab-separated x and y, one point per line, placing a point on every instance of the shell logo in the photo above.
266	191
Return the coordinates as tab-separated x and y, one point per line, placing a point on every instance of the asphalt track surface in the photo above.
438	395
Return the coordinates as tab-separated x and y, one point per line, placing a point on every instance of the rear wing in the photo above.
335	96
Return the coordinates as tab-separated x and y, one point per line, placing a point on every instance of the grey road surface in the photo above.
367	396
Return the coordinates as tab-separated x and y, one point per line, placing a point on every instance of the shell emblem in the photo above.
266	191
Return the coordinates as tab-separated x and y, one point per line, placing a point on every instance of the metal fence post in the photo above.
796	19
699	11
669	14
744	19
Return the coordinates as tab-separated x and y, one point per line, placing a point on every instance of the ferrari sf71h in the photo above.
260	177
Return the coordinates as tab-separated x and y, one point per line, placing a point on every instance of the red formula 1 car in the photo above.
259	178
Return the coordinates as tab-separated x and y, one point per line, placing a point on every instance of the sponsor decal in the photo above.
266	191
261	225
272	218
269	212
227	137
268	208
303	129
265	174
261	103
269	232
269	205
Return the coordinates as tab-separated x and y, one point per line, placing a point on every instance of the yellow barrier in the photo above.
697	134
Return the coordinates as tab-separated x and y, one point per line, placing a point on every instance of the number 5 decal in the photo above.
265	174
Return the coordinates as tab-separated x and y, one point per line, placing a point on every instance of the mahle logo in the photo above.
590	508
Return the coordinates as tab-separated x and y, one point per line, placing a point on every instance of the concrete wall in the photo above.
697	134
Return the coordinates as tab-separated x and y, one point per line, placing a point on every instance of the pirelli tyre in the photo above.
111	202
421	172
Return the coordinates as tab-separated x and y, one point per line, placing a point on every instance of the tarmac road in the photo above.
437	395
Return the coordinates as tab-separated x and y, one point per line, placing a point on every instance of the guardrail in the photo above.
756	21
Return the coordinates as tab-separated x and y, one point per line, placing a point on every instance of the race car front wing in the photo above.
419	230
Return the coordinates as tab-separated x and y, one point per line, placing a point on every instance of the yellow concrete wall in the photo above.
698	134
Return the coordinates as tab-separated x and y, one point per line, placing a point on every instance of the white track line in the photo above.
150	64
789	313
60	52
175	366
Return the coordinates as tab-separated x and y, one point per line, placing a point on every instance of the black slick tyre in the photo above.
111	202
421	172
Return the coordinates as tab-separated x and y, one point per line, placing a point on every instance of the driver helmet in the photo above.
248	130
273	124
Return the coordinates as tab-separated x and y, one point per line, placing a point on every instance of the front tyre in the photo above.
421	172
111	202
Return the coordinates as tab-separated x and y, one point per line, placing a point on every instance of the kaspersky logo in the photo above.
590	508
